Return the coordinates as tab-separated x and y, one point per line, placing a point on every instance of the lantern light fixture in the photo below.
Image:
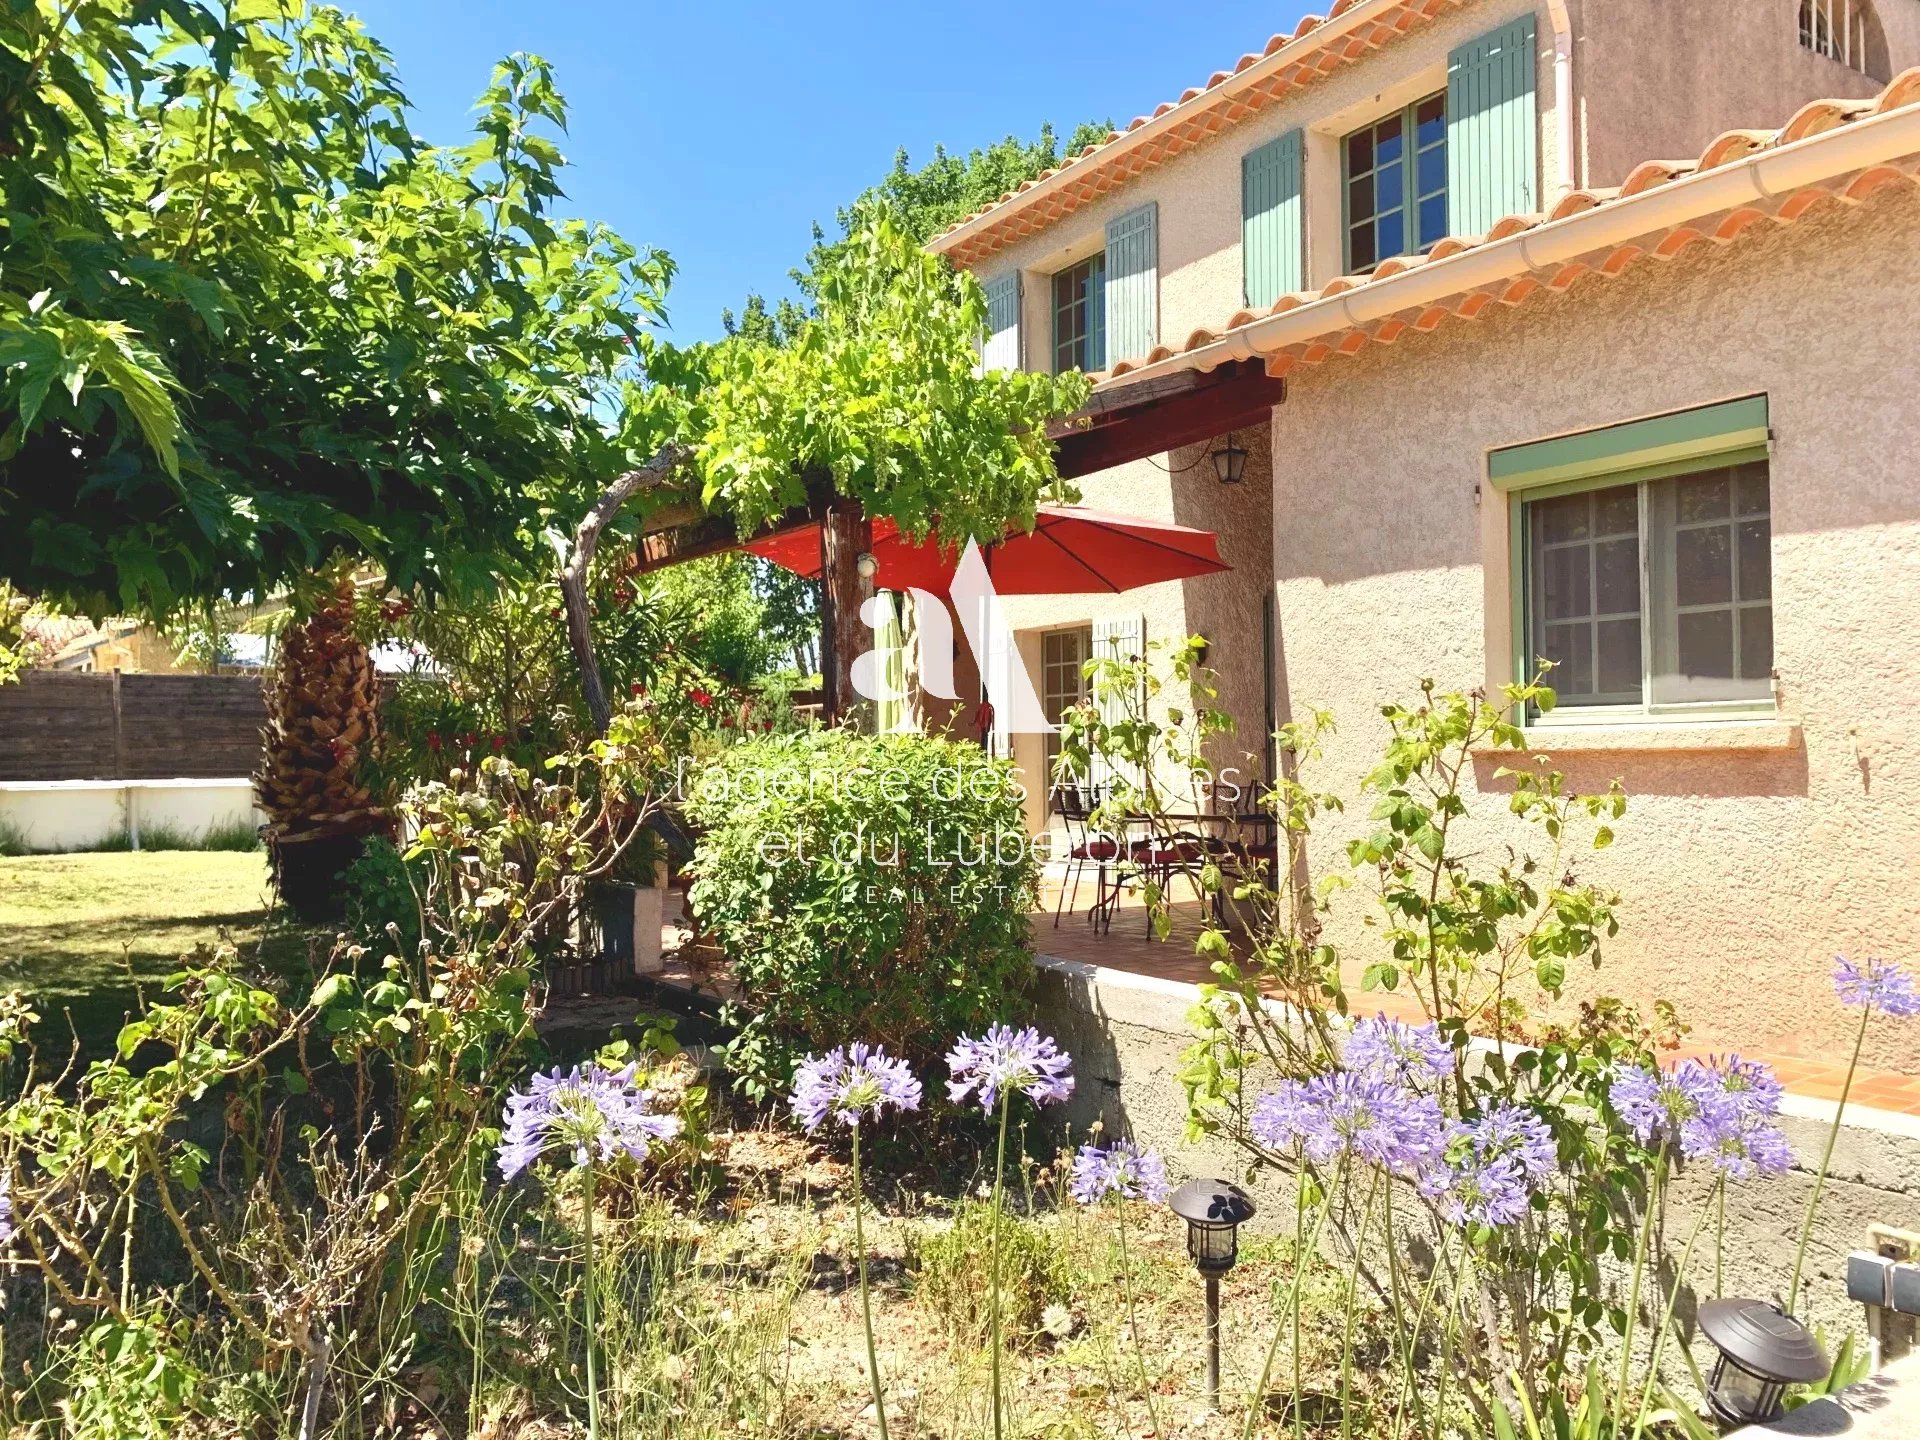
1762	1351
866	564
1230	462
1214	1211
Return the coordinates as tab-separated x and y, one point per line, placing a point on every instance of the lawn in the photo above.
78	932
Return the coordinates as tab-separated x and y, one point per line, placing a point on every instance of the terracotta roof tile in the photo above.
1228	98
1734	148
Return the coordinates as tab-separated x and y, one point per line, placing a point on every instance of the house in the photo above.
1535	348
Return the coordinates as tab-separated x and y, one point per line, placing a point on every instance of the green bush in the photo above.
862	887
953	1272
379	893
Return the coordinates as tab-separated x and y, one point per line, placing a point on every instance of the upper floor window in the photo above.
1080	315
1847	31
1396	184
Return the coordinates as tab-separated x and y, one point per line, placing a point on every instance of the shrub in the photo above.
380	893
862	885
953	1270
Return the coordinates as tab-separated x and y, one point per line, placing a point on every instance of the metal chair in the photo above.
1074	805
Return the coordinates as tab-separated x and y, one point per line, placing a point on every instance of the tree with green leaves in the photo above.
251	327
923	200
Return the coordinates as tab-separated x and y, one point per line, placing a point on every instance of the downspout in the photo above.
1568	180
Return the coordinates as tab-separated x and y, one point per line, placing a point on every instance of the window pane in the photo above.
1564	518
1576	577
1387	140
1569	647
1432	170
1564	584
1617	511
1391	230
1430	115
1711	640
1706	645
1360	199
1703	566
1620	657
1756	560
1387	191
1360	152
1756	642
1433	220
1616	578
1361	245
1703	497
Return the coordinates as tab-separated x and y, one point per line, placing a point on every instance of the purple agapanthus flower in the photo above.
1876	984
851	1082
1687	1105
1005	1060
589	1112
1350	1113
1122	1171
1494	1164
1752	1086
6	1208
1394	1050
1746	1148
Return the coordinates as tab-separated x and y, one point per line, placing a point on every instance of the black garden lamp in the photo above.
1762	1351
1214	1211
1230	462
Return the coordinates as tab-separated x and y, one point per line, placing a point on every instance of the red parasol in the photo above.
1070	551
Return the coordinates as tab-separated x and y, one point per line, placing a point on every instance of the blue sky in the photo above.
721	131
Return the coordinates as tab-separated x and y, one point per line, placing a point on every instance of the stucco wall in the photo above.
1659	79
84	814
1741	873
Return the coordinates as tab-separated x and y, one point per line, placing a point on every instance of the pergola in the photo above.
1120	423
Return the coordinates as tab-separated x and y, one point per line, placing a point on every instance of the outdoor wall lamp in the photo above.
1214	1211
1762	1351
1230	463
866	565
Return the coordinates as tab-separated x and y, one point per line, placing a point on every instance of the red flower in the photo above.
766	724
637	690
701	698
433	739
469	740
499	742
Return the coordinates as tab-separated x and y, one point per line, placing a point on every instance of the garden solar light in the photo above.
1230	463
1762	1351
1214	1211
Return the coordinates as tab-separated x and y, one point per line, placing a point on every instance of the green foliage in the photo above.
879	391
953	1272
874	886
247	320
923	201
380	892
1481	936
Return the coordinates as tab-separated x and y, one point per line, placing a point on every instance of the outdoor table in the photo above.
1185	825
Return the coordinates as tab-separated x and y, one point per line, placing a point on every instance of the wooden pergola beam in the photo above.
1153	419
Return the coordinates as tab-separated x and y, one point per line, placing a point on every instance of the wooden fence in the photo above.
56	725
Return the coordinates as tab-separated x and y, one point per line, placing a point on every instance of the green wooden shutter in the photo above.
1492	129
1270	215
1133	285
1002	349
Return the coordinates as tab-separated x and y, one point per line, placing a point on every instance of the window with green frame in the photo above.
1080	315
1396	184
1647	577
